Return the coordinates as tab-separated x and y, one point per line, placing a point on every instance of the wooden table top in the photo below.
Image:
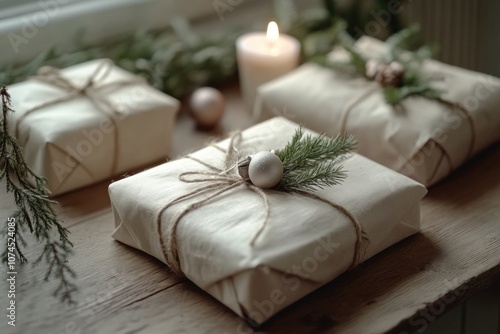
400	290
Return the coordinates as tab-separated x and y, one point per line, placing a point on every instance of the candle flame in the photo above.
272	31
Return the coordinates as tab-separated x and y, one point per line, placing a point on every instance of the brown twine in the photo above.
96	94
444	153
360	234
470	120
222	181
452	105
347	110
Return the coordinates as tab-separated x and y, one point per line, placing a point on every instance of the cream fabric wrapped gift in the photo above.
425	140
305	243
121	124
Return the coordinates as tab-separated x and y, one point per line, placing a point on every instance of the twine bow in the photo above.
94	89
218	182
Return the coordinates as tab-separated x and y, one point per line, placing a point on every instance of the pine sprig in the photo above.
311	162
174	62
357	61
34	213
413	81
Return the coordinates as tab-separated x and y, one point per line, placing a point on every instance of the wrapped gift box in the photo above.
425	139
76	139
304	244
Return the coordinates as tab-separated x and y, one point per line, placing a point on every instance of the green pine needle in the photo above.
414	83
395	95
35	213
310	162
357	60
405	39
175	63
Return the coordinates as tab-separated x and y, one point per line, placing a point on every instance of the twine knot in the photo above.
94	88
219	181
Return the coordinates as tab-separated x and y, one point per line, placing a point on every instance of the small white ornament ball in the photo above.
265	169
207	106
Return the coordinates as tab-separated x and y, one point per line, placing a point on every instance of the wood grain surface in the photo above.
401	290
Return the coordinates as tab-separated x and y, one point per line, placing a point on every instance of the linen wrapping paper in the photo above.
214	240
425	139
72	143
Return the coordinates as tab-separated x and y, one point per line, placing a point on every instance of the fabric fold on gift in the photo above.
424	139
305	242
80	113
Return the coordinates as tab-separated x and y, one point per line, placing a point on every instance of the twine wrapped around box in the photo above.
456	107
96	94
96	104
306	241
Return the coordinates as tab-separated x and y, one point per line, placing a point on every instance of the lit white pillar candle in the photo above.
264	57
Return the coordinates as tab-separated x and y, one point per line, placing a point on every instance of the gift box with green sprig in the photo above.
409	112
266	217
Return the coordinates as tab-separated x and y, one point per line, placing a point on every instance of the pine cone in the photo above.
392	75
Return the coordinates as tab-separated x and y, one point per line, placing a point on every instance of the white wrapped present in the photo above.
90	122
425	139
258	252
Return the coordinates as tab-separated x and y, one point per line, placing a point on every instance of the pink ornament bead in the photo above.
207	106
